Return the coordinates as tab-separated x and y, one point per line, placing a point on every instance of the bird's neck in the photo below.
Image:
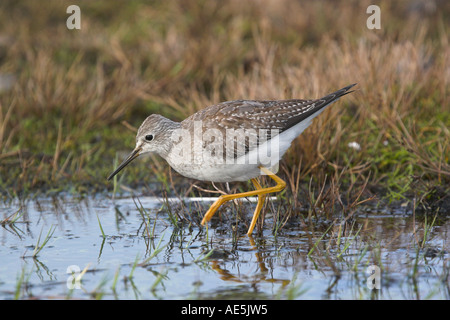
167	144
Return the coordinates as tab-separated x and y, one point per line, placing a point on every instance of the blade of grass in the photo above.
116	278
204	257
130	276
349	242
155	252
12	218
159	278
318	240
100	225
39	246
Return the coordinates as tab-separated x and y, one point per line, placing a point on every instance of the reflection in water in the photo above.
261	275
143	255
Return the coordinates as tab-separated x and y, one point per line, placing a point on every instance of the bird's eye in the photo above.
149	137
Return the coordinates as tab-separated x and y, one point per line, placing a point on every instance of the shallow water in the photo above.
143	256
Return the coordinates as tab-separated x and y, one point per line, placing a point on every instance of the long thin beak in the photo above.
133	155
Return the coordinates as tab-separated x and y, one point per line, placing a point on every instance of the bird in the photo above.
232	141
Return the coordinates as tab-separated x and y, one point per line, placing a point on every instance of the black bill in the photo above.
133	155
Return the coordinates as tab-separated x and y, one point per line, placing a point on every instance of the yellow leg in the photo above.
261	199
259	192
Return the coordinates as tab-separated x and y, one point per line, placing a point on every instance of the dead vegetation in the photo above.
76	94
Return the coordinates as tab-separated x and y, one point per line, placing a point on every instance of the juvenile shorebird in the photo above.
230	141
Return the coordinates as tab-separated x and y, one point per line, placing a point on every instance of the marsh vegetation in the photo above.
368	182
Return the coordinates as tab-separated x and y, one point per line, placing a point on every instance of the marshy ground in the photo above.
368	182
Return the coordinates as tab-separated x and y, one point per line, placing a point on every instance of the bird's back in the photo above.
242	132
266	117
262	114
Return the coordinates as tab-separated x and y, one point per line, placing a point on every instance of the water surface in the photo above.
143	255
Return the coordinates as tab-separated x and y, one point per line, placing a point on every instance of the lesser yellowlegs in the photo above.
230	141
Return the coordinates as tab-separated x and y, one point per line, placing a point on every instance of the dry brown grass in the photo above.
62	120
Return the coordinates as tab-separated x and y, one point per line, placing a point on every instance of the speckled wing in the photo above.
256	117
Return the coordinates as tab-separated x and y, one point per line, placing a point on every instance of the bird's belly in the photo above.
218	172
200	164
214	169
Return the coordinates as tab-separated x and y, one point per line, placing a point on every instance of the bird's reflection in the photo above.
261	275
